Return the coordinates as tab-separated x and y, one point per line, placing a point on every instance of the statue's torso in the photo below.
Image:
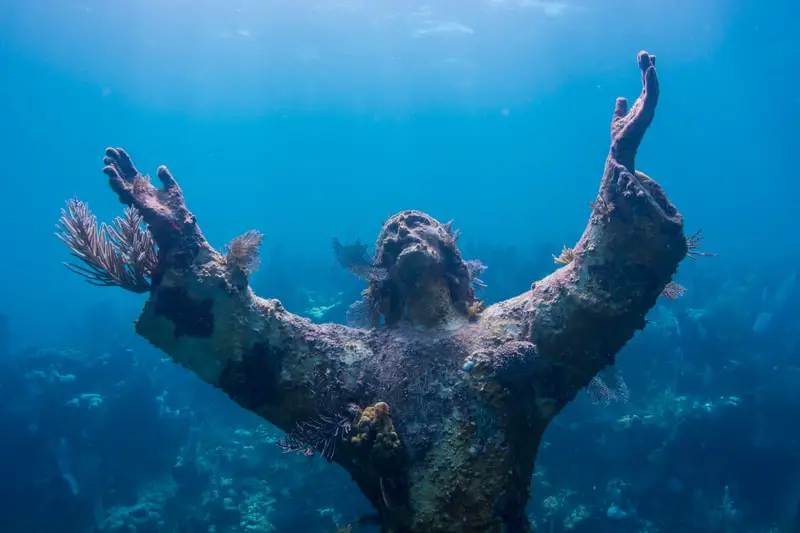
452	414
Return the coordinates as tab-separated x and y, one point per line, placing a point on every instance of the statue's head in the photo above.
425	281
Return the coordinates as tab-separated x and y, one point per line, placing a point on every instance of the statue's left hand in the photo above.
164	210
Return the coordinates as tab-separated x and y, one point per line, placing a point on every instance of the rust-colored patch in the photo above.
192	317
252	381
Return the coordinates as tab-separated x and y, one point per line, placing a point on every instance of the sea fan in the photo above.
122	255
356	259
242	251
475	268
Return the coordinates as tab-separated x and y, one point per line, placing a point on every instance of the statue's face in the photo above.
426	277
412	246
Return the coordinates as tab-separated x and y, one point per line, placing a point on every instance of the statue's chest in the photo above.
423	379
415	360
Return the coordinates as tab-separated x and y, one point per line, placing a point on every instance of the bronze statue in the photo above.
437	408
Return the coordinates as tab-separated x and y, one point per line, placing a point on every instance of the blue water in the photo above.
319	119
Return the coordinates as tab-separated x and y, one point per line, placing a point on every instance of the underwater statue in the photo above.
437	409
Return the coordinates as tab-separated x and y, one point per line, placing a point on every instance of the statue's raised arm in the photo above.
437	406
582	314
201	310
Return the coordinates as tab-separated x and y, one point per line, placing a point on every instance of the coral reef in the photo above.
471	392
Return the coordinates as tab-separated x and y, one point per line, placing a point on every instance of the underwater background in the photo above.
318	120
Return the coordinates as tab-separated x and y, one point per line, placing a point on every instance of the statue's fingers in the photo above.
166	178
647	64
619	119
621	108
629	125
645	60
118	185
111	159
121	161
129	171
651	81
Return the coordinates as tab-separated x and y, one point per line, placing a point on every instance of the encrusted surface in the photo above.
453	399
